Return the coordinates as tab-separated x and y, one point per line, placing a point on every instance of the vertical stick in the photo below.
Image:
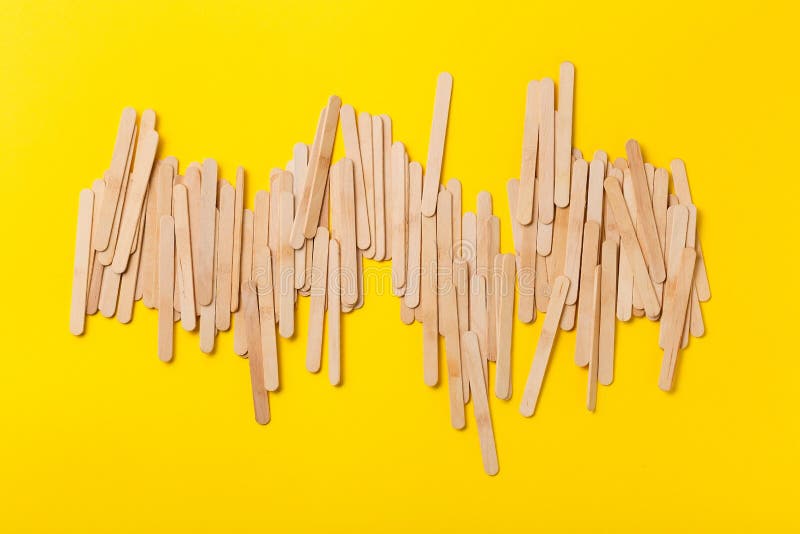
205	253
183	245
246	271
388	181
399	218
646	230
605	368
493	285
461	285
343	228
546	173
128	280
430	311
505	325
80	272
583	335
286	262
368	163
380	182
255	359
433	168
591	393
238	214
192	180
319	288
352	151
483	418
227	206
574	244
563	148
454	187
334	317
300	164
208	324
412	296
166	278
530	144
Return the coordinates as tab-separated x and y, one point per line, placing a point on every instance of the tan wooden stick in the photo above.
240	343
388	179
454	187
505	326
605	368
95	267
224	272
255	359
368	162
286	262
183	245
343	228
591	393
80	272
319	288
676	292
109	292
208	324
563	147
412	296
238	214
352	150
433	168
483	418
523	211
206	253
107	256
398	218
300	171
461	285
266	309
677	223
546	171
334	315
493	282
166	277
379	177
428	298
193	183
583	334
574	237
129	279
478	311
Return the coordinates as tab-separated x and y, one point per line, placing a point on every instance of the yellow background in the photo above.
99	436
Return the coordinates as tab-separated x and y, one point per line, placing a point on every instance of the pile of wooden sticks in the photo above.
594	242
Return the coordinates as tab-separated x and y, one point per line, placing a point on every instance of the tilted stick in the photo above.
483	418
563	148
574	243
388	180
319	288
352	150
266	310
368	164
676	292
433	168
255	359
583	335
412	294
461	286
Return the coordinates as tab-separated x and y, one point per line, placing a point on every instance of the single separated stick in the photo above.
505	322
480	403
563	149
166	279
334	315
399	217
316	314
80	272
544	346
676	293
433	168
530	144
255	359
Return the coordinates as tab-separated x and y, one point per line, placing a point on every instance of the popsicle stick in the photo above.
610	231
273	240
311	203
388	181
428	297
433	168
286	262
555	260
149	260
492	286
406	313
128	280
546	169
412	295
368	163
676	297
646	230
208	321
359	278
574	244
589	257
80	272
680	182
483	418
594	194
109	293
568	317
240	343
461	286
542	282
524	202
255	358
544	238
300	171
594	359
527	273
484	257
262	261
677	225
694	321
192	180
115	175
107	256
166	277
319	288
379	177
352	150
454	187
205	252
624	288
505	323
479	312
224	272
605	369
238	214
563	147
629	244
343	228
183	246
95	267
334	315
399	184
544	346
660	198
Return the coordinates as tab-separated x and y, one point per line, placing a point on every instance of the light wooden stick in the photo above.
343	228
379	177
398	218
594	194
563	147
433	168
238	214
681	184
461	285
334	315
224	272
184	249
80	272
591	390
527	272
286	262
492	286
505	324
166	277
542	283
483	418
368	163
109	292
608	297
274	240
676	292
583	334
479	312
255	358
454	187
266	310
129	279
240	343
574	243
483	255
150	243
352	150
193	183
95	267
107	256
412	296
428	297
388	179
208	323
319	287
205	252
544	346
300	166
524	203
677	224
546	172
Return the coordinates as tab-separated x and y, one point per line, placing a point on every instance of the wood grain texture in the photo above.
238	214
589	259
505	322
428	301
224	268
399	217
546	168
334	315
608	296
352	151
205	252
676	293
255	358
414	265
594	358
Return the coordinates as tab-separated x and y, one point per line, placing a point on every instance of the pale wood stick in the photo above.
568	317
610	231
359	279
129	279
563	147
433	168
109	293
238	214
208	321
184	266
544	238
107	256
255	358
483	255
542	283
589	257
261	219
461	285
454	187
95	285
352	150
368	163
192	180
478	311
412	295
660	199
406	313
594	359
524	202
630	285
677	224
80	272
379	177
605	370
676	292
343	228
680	182
166	277
694	320
493	281
646	229
505	324
388	180
398	213
176	286
428	298
624	288
630	244
205	252
319	288
273	240
300	172
95	267
574	243
544	346
483	418
594	193
150	244
246	267
224	267
311	203
558	253
286	262
334	315
115	175
546	169
262	263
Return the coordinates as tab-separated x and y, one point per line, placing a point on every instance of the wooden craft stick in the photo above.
594	195
660	198
300	166
286	262
107	256
398	218
676	293
574	243
677	225
273	240
454	187
238	214
694	321
646	230
493	281
412	295
262	262
629	243
205	252
461	285
308	216
150	243
192	180
605	368
95	267
255	358
555	260
523	212
128	280
166	277
334	315
542	283
594	359
388	180
368	163
208	322
428	297
589	257
109	293
379	178
80	272
680	182
544	238
246	267
343	228
184	266
479	312
352	150
526	275
483	418
563	147
546	170
505	323
319	288
544	346
224	267
433	168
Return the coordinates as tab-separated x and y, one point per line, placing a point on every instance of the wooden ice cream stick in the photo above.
413	269
492	284
677	224
589	257
368	164
224	268
406	313
544	347
334	315
630	201
268	342
109	293
574	243
660	196
624	288
676	292
399	218
388	180
255	358
594	194
469	235
428	298
273	239
184	247
107	256
352	150
610	231
205	252
568	317
379	177
505	323
192	180
286	262
208	321
546	169
522	209
166	277
95	268
694	321
483	255
542	283
300	171
319	288
343	228
563	147
479	312
150	244
527	272
605	368
461	286
483	418
555	260
594	359
129	279
433	168
238	214
80	272
246	274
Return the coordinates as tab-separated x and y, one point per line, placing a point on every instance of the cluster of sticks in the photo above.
594	242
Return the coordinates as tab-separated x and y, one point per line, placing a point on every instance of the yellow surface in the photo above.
99	436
